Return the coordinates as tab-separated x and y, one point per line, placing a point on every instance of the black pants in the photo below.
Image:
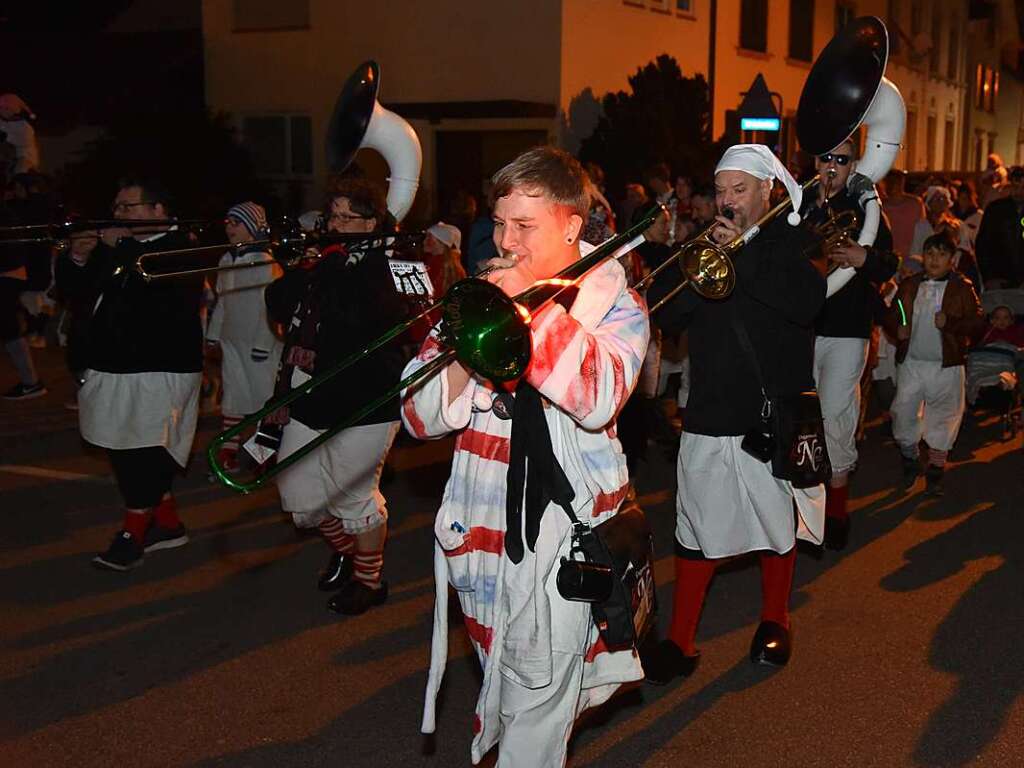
10	290
143	475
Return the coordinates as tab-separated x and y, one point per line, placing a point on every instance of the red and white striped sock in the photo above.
234	442
937	458
334	533
368	567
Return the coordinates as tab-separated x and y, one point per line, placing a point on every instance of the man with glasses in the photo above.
843	329
140	392
332	309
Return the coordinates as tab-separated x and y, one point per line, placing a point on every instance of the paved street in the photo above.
907	645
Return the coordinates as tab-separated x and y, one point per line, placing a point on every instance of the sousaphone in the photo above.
846	89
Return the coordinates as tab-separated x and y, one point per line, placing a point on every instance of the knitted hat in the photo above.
935	192
761	163
252	216
448	234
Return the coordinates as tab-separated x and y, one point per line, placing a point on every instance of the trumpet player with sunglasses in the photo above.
843	327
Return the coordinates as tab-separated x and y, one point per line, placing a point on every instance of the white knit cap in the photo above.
760	162
448	234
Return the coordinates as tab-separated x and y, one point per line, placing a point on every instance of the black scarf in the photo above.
542	477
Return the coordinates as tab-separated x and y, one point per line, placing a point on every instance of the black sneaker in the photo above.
25	391
356	598
666	661
123	555
158	537
933	481
911	471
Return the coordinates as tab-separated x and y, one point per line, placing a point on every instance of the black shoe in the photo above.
837	532
771	645
665	662
158	537
337	573
933	481
25	391
123	555
911	470
356	598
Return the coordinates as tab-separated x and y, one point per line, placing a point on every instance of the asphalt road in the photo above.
907	645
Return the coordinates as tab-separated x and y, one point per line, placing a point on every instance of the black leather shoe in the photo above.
337	573
356	598
771	645
837	532
665	662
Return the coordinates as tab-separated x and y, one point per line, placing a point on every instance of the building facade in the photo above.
481	81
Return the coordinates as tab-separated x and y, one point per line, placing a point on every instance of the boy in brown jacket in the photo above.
933	317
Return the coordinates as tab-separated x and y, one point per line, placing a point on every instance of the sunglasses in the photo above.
840	159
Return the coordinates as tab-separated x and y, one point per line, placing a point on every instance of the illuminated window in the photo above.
801	30
754	25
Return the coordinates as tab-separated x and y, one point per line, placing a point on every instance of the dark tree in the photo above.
664	118
193	153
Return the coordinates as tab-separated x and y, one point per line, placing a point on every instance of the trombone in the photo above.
481	326
304	246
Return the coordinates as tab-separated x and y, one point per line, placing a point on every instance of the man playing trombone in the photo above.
748	352
140	394
542	660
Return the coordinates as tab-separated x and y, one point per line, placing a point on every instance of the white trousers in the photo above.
838	366
536	722
938	392
340	479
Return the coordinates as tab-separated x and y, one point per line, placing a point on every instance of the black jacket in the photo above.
851	311
778	293
1000	242
356	304
138	326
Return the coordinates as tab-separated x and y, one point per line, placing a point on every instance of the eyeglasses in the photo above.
118	207
828	157
345	218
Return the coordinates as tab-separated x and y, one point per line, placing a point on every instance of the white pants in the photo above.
248	376
536	722
941	393
838	366
339	479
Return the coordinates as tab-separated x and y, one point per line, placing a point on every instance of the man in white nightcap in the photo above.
757	344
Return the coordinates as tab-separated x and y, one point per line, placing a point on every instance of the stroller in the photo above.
995	368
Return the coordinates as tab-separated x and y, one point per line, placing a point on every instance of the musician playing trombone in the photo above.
541	658
844	327
753	345
331	309
139	397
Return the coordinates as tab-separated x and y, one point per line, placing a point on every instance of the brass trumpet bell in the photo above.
487	330
708	268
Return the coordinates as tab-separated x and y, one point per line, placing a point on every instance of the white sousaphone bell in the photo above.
845	89
360	122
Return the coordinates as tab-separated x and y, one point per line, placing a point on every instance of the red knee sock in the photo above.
368	567
835	502
136	524
692	579
166	513
231	445
334	533
776	584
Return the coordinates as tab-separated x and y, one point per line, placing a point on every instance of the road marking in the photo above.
49	474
